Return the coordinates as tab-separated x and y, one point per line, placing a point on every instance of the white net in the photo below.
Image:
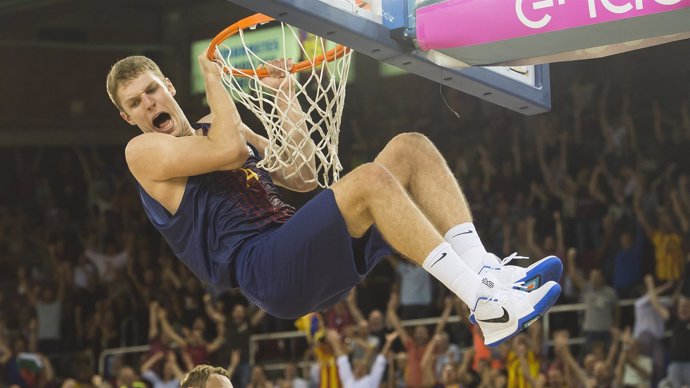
303	120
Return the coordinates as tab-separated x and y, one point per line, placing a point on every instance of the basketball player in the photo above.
206	376
223	216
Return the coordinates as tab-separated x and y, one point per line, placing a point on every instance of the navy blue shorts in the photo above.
309	263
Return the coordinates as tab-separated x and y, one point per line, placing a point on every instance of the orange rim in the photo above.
258	18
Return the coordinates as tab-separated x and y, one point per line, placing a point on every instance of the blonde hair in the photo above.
196	378
126	70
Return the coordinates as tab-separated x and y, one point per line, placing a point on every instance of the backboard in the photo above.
378	28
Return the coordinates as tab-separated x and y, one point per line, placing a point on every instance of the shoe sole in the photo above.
534	279
550	269
539	309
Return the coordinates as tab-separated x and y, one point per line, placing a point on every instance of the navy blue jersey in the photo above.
219	212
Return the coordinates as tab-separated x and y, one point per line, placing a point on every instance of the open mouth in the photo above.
163	121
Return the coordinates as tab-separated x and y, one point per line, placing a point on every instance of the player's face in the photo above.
147	102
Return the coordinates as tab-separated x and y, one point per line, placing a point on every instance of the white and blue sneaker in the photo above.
527	279
547	269
510	310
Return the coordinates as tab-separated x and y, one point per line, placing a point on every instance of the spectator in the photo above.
238	329
128	378
449	378
355	375
196	349
649	326
324	370
172	374
681	207
363	345
415	289
234	361
48	304
628	264
258	379
293	378
110	260
375	323
480	352
446	353
158	341
415	345
522	363
24	368
471	377
601	304
668	253
192	301
84	274
101	332
553	378
573	372
679	354
338	317
633	369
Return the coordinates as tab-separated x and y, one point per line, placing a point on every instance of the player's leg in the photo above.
421	169
372	195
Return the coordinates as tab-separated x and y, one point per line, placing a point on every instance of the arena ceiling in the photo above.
55	54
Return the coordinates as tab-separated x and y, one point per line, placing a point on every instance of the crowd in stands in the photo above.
602	182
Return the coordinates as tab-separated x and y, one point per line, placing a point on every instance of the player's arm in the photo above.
300	176
286	176
279	177
161	157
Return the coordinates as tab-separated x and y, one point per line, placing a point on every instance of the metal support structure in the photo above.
374	39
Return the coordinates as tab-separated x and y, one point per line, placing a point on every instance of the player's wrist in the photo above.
213	79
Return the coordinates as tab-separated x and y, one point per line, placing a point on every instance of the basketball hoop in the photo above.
324	70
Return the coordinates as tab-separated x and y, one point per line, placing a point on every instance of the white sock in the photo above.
445	265
467	245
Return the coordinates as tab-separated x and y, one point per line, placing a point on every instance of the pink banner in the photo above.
459	23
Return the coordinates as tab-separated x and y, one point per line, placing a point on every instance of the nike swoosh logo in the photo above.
465	232
440	258
502	319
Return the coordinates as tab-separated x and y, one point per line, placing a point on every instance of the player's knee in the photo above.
412	139
408	143
375	178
